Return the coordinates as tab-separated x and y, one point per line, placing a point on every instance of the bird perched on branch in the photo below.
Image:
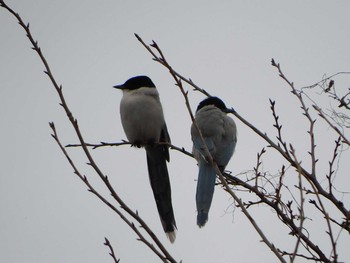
144	125
219	135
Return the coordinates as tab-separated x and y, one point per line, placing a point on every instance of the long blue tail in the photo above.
205	191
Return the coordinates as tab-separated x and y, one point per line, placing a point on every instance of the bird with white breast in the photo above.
144	125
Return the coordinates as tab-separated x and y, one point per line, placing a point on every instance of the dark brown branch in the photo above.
116	144
104	200
278	126
178	79
101	144
311	179
331	172
306	114
311	176
323	116
165	64
166	255
301	206
327	86
112	254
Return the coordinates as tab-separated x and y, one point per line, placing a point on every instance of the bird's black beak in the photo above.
118	87
229	110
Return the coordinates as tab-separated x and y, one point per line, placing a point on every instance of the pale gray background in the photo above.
46	214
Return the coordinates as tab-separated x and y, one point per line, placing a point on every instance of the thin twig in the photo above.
177	79
104	200
286	155
99	145
323	116
331	164
116	144
306	113
278	126
108	244
311	176
164	254
301	206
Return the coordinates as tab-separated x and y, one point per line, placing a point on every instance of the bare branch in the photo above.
161	59
264	187
323	116
116	144
163	254
101	144
301	207
135	215
108	244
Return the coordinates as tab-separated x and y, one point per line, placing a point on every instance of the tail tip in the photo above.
171	236
202	218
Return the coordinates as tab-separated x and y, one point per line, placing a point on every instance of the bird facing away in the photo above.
144	125
220	135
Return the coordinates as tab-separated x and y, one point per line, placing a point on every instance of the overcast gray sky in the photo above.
224	46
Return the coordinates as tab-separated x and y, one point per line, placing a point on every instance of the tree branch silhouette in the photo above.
108	244
283	209
290	203
159	249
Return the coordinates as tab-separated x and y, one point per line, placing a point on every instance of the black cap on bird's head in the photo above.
215	101
135	83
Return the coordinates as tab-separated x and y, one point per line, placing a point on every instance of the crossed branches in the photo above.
259	184
157	247
283	210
